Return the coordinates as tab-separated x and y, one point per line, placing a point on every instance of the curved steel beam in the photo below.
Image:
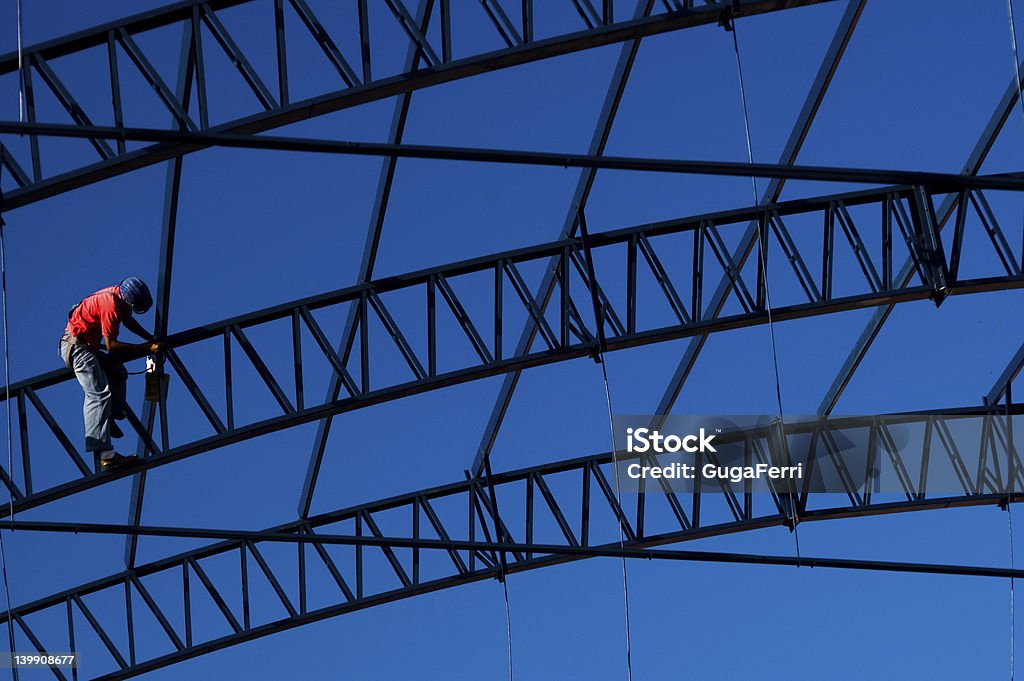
572	501
275	112
565	335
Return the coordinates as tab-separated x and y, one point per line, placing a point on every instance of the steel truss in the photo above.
902	221
477	529
356	83
458	528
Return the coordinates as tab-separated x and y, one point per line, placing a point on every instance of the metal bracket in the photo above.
728	15
929	244
599	348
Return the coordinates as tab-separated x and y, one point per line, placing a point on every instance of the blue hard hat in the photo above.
135	292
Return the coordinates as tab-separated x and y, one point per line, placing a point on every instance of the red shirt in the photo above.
98	315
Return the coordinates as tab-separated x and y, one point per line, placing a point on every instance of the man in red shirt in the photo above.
101	374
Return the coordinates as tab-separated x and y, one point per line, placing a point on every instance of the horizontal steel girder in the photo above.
566	332
354	85
935	180
548	515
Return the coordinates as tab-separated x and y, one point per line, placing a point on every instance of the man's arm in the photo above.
116	347
137	328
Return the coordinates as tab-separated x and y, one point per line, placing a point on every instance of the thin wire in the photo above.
618	500
763	264
508	626
1009	512
7	369
10	448
600	358
1016	57
21	74
1013	623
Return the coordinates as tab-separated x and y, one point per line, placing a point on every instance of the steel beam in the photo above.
352	96
449	545
938	181
566	339
455	540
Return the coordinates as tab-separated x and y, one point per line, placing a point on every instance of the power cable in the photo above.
10	448
1009	512
600	359
500	536
1013	622
508	626
21	73
7	359
762	249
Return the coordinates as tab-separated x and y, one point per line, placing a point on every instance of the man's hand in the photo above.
154	348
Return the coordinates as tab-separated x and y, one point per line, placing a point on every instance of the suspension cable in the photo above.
1009	512
7	353
21	73
10	448
1013	618
600	359
500	536
762	249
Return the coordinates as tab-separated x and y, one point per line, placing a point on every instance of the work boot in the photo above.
115	461
115	430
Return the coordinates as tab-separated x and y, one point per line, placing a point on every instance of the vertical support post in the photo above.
499	285
697	286
30	110
243	560
26	462
129	621
827	249
187	609
446	31
416	536
566	299
762	262
282	52
359	558
301	546
297	359
527	21
364	343
631	285
364	40
197	49
958	234
432	326
115	87
229	392
887	242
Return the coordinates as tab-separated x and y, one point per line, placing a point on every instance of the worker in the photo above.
102	374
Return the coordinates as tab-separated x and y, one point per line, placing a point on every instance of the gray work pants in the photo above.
104	382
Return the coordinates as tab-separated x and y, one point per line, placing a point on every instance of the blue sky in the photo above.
915	89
